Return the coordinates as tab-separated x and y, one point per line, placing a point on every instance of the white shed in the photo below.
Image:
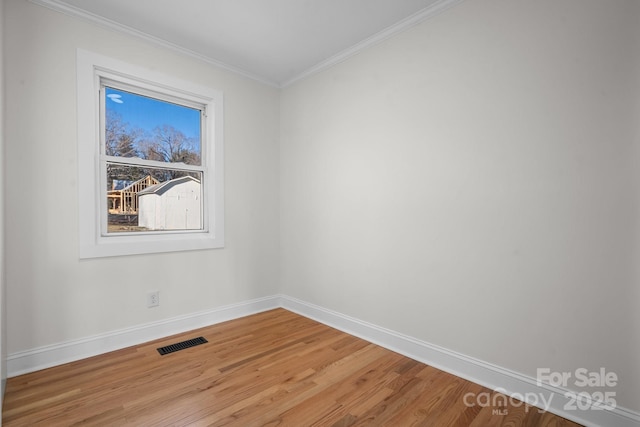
171	205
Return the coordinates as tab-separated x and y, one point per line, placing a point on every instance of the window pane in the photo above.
145	199
149	128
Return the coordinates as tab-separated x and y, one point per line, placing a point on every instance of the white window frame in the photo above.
93	241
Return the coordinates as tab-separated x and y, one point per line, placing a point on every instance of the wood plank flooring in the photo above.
271	369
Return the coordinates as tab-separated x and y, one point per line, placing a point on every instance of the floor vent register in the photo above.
181	345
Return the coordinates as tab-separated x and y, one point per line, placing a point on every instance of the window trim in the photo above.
91	68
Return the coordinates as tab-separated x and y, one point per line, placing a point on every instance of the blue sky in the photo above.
147	113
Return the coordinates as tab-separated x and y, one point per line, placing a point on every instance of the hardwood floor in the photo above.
270	369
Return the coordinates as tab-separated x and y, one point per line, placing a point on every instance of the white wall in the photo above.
634	327
3	312
472	183
54	297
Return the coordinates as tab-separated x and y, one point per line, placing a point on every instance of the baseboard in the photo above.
491	376
518	386
57	354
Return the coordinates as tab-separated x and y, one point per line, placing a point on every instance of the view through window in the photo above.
152	151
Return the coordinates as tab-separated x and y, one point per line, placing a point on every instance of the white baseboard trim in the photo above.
510	383
518	386
57	354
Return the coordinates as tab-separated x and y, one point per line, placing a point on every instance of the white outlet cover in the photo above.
153	299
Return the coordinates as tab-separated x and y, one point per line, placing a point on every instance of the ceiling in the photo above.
274	41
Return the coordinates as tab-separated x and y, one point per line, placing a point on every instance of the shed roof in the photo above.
163	187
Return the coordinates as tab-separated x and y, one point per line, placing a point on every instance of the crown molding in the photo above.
429	12
60	6
418	17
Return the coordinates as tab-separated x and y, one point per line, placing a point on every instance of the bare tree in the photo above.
170	145
167	144
121	141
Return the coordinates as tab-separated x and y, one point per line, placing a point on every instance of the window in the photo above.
149	160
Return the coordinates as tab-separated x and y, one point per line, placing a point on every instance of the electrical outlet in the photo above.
153	299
